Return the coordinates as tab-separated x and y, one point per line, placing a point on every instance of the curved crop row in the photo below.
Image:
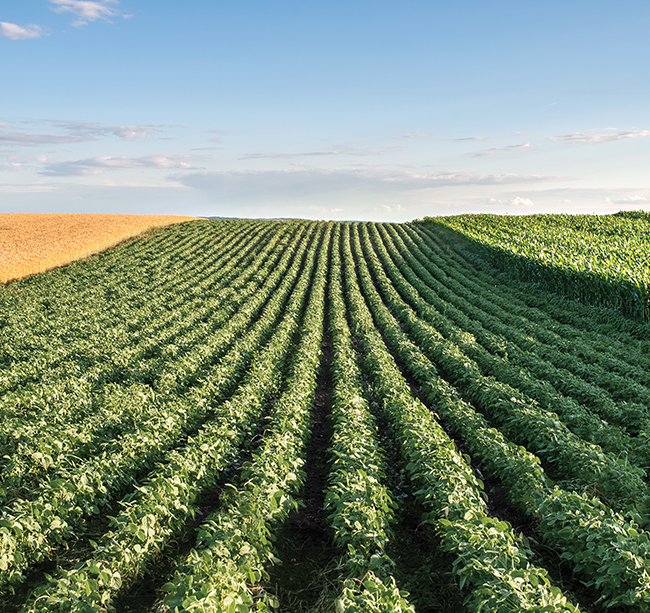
521	418
589	534
160	508
158	321
491	559
579	255
119	409
28	528
360	506
572	366
554	318
67	394
235	543
45	354
506	367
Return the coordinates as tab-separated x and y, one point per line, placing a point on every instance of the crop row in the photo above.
120	410
517	415
576	353
360	505
527	367
599	259
158	510
172	308
202	387
235	542
29	527
558	316
490	558
117	408
607	550
46	300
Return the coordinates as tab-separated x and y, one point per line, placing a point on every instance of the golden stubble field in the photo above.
35	242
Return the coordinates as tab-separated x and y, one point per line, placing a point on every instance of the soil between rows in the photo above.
307	577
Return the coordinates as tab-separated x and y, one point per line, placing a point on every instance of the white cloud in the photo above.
16	138
15	32
95	129
74	132
414	135
578	138
508	149
99	165
13	166
471	138
519	201
576	200
309	181
628	200
131	132
345	150
86	10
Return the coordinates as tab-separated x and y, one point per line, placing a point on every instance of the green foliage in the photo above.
141	375
529	488
360	506
601	259
442	480
61	503
235	543
159	509
371	595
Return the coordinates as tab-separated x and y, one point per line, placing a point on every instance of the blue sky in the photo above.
331	110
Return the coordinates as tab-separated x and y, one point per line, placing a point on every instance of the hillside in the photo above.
232	415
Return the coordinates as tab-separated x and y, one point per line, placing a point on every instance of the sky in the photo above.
382	110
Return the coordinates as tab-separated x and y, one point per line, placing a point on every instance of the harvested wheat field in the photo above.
35	242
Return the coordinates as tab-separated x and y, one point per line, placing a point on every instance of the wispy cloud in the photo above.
127	132
318	180
628	200
517	201
15	138
99	165
346	150
558	200
579	138
471	138
16	32
507	149
86	10
13	166
414	135
270	155
73	132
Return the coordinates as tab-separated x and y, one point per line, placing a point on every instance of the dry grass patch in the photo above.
35	242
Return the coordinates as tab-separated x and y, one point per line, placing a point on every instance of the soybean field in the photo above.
293	416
